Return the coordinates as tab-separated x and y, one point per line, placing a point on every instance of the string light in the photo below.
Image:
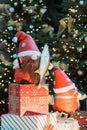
54	49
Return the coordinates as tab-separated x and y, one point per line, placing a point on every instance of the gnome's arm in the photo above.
82	97
51	99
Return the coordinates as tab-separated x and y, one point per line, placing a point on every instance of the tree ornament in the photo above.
10	28
16	3
64	66
79	49
54	55
64	47
24	5
65	23
85	39
5	90
63	35
31	26
15	39
74	35
76	31
5	9
43	10
30	11
81	2
16	24
5	58
80	72
48	29
15	56
11	9
5	42
70	24
72	10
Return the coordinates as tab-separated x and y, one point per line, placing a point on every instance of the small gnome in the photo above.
27	60
66	95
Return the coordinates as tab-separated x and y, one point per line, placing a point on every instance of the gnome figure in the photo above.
66	95
27	60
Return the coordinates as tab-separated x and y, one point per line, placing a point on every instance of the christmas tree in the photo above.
35	18
72	37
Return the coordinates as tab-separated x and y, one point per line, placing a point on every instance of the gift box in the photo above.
35	122
24	98
82	121
81	116
38	122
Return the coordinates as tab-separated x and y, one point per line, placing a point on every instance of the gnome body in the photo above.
28	60
66	95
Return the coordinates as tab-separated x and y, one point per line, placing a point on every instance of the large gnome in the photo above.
27	60
66	95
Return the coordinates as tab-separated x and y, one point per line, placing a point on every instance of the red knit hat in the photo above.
62	83
27	45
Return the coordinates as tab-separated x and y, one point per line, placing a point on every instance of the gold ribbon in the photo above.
65	23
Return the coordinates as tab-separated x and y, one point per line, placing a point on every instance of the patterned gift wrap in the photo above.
24	98
68	124
35	122
81	116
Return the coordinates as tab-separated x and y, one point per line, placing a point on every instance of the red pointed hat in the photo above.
62	83
27	45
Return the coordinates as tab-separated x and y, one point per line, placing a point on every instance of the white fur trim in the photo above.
29	53
65	89
64	97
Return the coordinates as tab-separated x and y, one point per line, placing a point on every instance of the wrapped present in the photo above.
34	122
24	98
68	124
81	116
82	121
37	122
